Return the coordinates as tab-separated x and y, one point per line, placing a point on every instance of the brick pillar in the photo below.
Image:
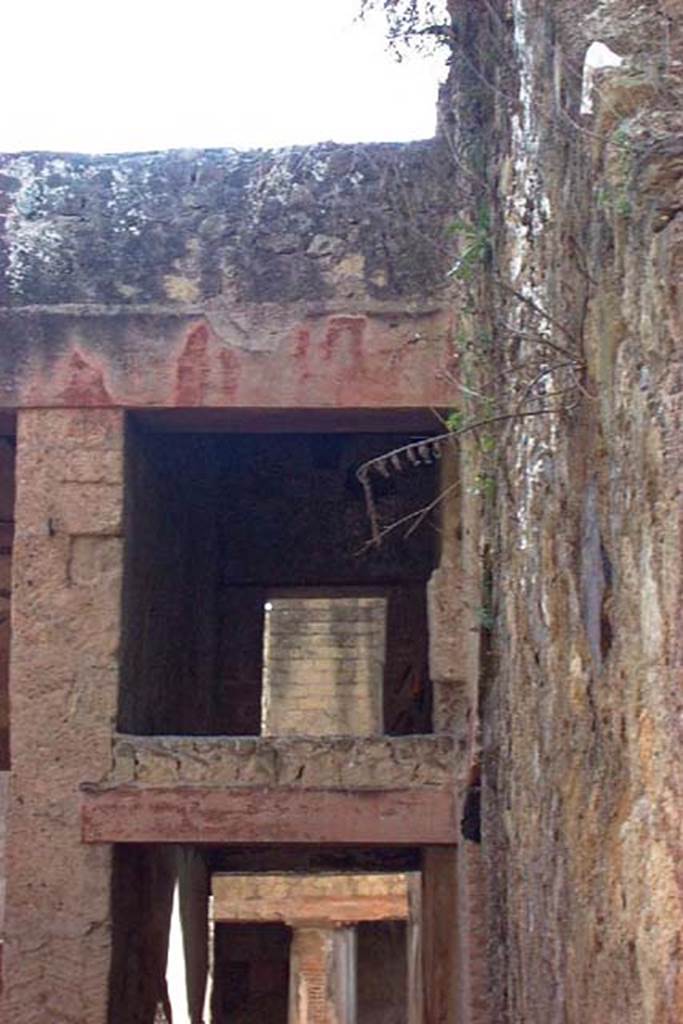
324	666
63	688
322	976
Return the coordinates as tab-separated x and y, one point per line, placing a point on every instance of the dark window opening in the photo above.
217	523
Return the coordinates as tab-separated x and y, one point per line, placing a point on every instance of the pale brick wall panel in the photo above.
324	666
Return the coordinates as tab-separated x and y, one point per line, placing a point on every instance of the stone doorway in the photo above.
349	943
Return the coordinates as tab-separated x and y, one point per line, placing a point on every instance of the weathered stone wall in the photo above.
313	279
6	541
66	596
361	762
4	798
576	306
301	277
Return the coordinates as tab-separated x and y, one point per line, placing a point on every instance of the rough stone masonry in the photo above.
220	291
216	293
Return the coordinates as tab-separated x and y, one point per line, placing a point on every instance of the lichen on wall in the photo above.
196	278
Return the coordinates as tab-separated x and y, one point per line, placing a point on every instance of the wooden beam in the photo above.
441	960
311	900
194	814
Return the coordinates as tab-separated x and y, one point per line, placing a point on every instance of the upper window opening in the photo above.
230	533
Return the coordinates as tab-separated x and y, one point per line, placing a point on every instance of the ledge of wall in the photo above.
376	762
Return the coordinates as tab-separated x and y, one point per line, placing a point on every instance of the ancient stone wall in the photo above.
67	570
6	541
575	338
301	277
277	290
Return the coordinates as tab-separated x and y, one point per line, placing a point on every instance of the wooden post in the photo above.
440	938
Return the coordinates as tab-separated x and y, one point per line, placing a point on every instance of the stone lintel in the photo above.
133	814
310	900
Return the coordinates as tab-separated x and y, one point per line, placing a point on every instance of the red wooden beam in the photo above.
194	814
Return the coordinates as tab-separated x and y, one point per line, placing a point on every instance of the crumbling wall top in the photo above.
309	276
184	227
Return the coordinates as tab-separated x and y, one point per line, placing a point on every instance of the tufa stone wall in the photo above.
6	541
300	277
341	762
575	306
66	598
213	283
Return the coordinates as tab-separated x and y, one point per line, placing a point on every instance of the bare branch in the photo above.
415	518
541	312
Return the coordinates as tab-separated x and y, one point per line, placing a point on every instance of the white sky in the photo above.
113	75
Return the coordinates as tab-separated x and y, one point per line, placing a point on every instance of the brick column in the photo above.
322	976
63	687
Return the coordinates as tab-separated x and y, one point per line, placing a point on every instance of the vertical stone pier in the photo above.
63	685
322	972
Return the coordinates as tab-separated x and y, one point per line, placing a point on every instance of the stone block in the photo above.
91	508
